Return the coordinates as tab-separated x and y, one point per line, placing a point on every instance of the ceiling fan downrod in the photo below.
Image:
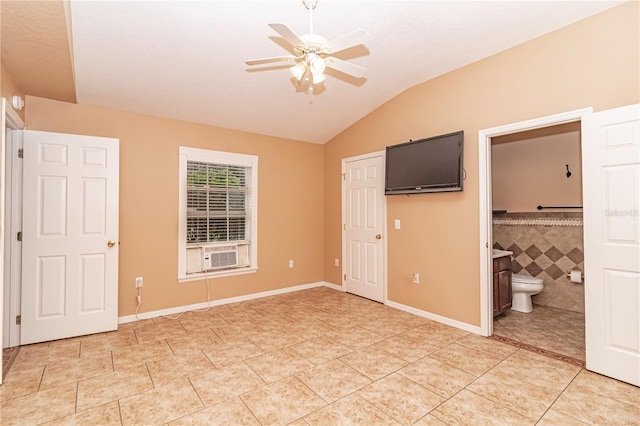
310	5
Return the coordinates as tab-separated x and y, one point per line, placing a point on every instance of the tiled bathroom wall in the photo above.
547	246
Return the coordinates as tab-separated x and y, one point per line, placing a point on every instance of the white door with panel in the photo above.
69	236
611	196
364	215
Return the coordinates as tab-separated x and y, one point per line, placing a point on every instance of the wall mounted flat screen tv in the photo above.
425	165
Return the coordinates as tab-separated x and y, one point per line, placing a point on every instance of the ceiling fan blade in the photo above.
270	60
346	67
346	41
287	34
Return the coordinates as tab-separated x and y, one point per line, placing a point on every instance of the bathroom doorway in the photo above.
536	189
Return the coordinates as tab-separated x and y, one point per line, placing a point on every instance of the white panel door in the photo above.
363	200
611	196
69	236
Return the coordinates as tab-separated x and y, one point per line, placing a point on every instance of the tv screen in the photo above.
425	165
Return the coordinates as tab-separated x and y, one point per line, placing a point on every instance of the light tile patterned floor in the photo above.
551	329
314	357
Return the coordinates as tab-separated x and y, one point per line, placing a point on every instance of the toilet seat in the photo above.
525	279
523	287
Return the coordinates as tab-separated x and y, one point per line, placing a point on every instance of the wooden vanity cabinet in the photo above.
501	284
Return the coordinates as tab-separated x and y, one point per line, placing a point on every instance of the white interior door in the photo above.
363	210
70	236
611	196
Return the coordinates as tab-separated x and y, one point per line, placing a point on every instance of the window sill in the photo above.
217	274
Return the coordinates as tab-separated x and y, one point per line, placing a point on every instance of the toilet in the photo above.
522	288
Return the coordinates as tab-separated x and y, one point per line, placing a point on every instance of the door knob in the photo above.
111	243
379	237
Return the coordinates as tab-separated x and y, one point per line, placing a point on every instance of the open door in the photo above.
69	236
611	196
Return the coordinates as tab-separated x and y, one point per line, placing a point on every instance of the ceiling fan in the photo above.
313	53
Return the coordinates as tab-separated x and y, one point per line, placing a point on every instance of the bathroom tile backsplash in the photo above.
545	247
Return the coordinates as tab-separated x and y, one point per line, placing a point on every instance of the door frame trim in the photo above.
485	199
344	221
10	307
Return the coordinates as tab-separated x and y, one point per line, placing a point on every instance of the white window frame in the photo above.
217	157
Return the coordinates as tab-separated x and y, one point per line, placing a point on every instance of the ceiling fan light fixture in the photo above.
316	63
299	70
318	78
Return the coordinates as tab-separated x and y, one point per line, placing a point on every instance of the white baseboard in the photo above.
333	286
438	318
181	309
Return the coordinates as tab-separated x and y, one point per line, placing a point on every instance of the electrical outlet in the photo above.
336	261
290	263
416	278
139	282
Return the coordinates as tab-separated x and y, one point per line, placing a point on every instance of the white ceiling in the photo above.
185	59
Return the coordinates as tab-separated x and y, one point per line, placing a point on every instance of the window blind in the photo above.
216	202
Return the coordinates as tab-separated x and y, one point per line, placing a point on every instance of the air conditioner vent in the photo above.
220	257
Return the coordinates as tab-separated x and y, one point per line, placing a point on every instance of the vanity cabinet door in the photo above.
496	294
504	283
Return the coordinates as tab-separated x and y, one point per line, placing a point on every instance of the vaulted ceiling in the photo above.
186	59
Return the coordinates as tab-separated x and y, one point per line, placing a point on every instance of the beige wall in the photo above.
591	63
531	170
9	89
290	200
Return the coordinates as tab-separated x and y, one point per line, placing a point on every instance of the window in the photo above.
218	214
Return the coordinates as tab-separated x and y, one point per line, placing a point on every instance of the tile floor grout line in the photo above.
559	395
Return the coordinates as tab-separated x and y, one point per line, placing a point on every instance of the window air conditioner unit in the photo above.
216	257
211	257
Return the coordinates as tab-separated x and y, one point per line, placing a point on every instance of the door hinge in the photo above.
18	319
20	153
19	236
345	277
344	226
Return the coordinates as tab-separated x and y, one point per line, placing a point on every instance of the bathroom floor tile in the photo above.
282	402
556	330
